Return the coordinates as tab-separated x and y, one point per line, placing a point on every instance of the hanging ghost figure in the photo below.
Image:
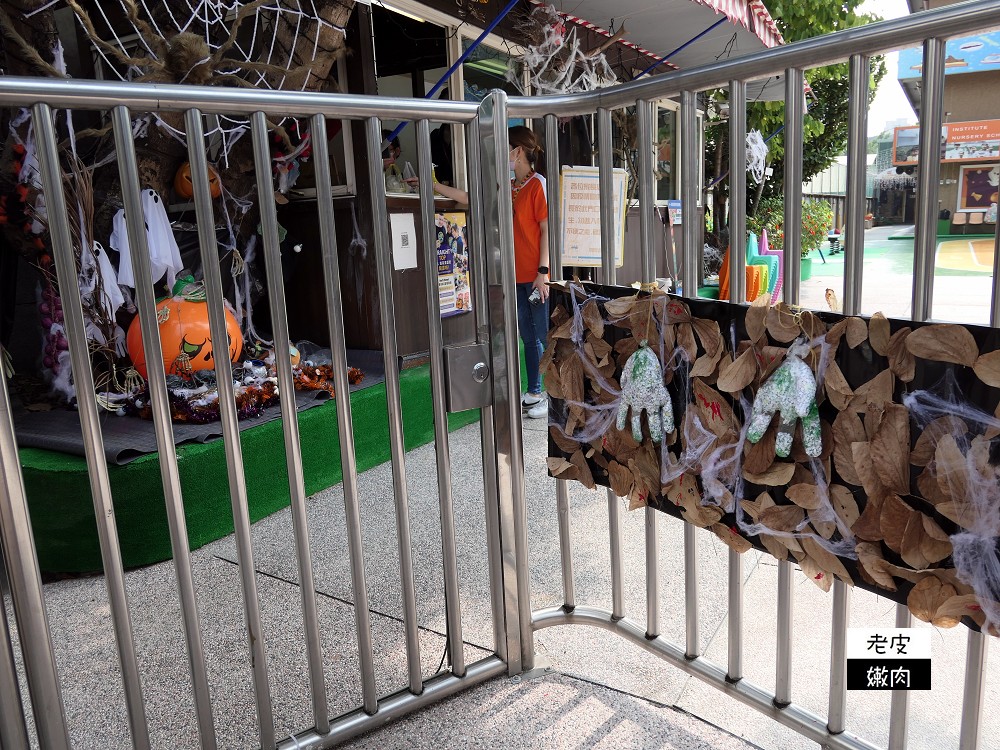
790	391
643	389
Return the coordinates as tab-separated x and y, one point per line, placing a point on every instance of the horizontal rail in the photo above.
804	722
160	97
396	706
875	38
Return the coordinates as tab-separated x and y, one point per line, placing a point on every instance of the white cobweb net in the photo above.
554	60
756	156
266	44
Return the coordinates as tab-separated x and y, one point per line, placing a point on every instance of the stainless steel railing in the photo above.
513	619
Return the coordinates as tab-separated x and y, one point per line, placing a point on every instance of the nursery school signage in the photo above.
977	140
581	212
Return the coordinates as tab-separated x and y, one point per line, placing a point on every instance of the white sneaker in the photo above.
539	410
531	399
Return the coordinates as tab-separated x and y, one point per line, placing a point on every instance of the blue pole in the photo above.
465	55
684	46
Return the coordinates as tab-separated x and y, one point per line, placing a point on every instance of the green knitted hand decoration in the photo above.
643	389
790	391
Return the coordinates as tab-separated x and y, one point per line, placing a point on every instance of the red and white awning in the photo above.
660	27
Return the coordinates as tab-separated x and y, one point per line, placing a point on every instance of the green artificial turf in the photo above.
62	513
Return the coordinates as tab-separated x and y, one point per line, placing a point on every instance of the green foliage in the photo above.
825	124
817	218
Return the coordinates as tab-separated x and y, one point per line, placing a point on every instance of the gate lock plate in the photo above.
467	377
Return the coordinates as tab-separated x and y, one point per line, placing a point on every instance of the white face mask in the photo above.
510	164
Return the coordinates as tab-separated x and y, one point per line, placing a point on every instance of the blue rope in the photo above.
684	46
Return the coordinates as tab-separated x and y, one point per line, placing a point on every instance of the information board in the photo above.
581	216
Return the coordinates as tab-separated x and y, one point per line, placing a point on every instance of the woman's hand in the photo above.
541	284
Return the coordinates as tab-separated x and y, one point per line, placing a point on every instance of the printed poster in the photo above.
453	264
581	216
978	188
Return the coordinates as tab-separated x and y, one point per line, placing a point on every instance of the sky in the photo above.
890	102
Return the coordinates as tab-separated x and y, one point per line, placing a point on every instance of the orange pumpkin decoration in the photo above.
185	338
184	185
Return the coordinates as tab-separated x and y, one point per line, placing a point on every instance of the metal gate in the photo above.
513	619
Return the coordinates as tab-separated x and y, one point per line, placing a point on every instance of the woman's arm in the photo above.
459	196
540	282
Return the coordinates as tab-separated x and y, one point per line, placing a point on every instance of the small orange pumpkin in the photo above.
185	338
184	185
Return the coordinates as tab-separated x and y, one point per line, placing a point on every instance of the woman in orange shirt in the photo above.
531	255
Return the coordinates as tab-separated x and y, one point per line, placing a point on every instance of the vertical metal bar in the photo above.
925	232
499	238
899	708
209	246
609	240
335	326
690	180
836	718
90	420
13	730
783	663
794	115
975	685
857	164
692	645
644	115
995	298
734	672
449	556
554	200
345	427
162	425
737	191
481	310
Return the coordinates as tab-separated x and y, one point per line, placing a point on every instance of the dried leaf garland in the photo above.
782	325
902	363
740	373
891	449
778	475
756	321
944	343
857	331
987	368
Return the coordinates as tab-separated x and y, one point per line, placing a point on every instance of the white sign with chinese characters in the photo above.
888	643
581	216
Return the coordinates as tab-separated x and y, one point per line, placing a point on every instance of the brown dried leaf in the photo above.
586	478
706	364
866	470
892	521
857	331
775	548
836	333
592	318
756	320
910	547
926	445
826	559
769	359
951	468
871	561
810	325
621	479
758	457
715	412
781	324
878	333
891	449
952	610
847	429
844	504
777	475
927	597
560	467
815	573
625	348
928	487
571	379
783	518
619	308
804	495
901	362
874	394
731	537
676	312
834	380
867	526
686	341
824	528
944	343
565	444
754	508
740	373
935	545
987	368
708	334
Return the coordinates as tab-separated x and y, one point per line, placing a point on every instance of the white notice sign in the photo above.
404	241
581	216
